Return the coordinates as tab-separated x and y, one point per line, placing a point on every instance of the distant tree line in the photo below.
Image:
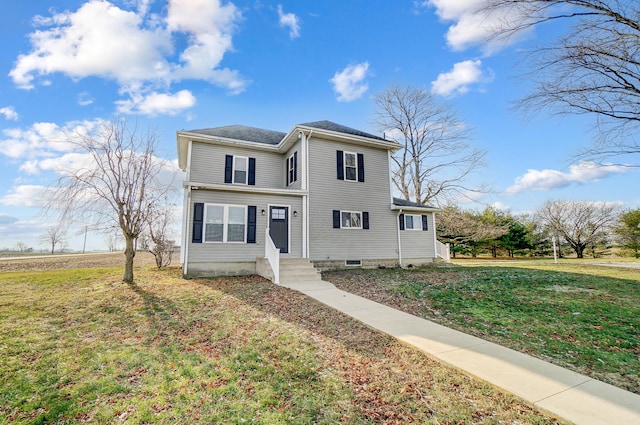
579	228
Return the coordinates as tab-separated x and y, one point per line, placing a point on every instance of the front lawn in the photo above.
80	346
583	317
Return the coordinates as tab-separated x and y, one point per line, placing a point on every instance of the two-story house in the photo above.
321	192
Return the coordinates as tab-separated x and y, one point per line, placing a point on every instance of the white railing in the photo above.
272	254
443	251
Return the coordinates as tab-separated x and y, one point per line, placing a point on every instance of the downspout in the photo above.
435	239
305	198
399	239
186	211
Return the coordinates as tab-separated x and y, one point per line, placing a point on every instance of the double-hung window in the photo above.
350	166
240	168
225	223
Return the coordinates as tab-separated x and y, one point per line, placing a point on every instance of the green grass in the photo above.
583	317
81	346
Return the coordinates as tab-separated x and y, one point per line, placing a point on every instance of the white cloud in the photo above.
291	21
25	196
475	29
500	206
85	99
459	78
158	103
133	47
349	83
9	113
544	180
42	139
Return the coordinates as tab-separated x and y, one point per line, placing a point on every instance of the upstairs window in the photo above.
350	166
292	168
240	170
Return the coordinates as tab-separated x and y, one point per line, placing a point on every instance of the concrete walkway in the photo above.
570	395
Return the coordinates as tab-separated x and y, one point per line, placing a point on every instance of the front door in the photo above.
279	227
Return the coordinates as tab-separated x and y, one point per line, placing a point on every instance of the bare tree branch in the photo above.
435	159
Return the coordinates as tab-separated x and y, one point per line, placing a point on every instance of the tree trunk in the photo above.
579	251
129	253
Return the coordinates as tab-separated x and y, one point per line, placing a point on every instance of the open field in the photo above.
79	346
580	316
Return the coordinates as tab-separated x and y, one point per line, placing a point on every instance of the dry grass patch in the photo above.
80	346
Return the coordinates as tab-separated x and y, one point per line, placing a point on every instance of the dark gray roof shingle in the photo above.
404	203
270	137
242	132
331	126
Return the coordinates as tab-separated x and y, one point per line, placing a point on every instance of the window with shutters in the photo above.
350	166
240	170
225	223
351	220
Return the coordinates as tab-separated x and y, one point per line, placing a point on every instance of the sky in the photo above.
172	65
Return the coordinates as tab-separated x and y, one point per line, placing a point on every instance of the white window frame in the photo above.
233	170
344	163
225	223
291	166
416	221
350	227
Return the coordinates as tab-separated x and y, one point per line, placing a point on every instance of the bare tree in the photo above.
157	236
55	236
581	224
22	247
118	185
435	159
467	229
593	68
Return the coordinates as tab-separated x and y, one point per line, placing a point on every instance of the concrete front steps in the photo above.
294	272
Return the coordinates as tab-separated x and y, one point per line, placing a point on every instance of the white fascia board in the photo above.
244	189
414	209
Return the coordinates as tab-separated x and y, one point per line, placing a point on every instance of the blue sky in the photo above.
188	64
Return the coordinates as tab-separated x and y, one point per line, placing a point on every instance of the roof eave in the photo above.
292	136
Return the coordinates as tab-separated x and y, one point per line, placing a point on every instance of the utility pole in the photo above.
84	245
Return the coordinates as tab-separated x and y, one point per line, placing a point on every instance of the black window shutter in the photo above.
252	171
425	223
336	219
228	168
340	164
365	220
360	167
198	218
251	224
295	166
401	221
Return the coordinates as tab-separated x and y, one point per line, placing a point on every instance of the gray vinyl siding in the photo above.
327	193
239	252
297	147
418	243
208	160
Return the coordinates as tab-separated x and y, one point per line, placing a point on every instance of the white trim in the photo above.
344	165
289	216
292	160
413	219
351	212
399	238
435	237
233	170
240	188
